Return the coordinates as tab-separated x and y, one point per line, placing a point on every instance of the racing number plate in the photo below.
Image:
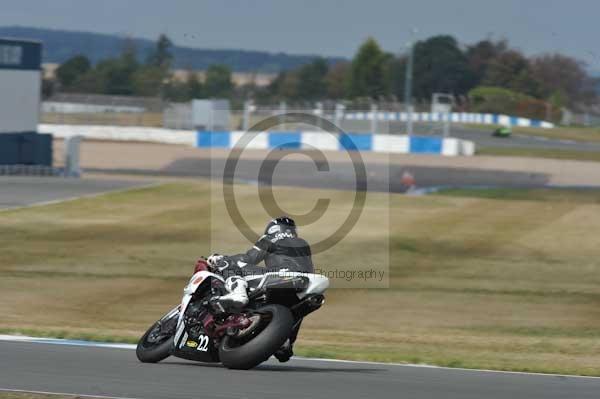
201	344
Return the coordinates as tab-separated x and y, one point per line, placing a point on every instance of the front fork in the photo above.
185	301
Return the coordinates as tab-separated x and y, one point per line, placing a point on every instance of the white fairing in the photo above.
190	289
317	283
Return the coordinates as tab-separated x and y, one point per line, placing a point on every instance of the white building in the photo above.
20	85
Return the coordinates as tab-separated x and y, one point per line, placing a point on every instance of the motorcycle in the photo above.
239	339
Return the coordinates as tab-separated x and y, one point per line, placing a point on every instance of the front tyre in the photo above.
275	327
155	345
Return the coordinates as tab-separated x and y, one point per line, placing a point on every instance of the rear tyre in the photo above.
277	325
155	345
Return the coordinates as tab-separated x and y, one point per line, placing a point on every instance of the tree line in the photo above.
489	76
125	75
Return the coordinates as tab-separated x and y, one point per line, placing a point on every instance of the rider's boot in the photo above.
237	297
284	353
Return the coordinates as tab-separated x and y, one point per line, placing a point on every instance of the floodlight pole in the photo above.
408	85
246	116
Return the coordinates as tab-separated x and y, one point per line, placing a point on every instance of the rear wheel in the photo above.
252	348
155	345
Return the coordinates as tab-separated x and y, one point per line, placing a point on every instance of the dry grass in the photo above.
511	283
575	155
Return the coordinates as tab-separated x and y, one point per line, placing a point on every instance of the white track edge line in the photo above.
58	341
80	395
78	197
431	366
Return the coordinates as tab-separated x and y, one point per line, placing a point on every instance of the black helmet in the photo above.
280	225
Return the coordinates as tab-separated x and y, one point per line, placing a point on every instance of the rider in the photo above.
281	249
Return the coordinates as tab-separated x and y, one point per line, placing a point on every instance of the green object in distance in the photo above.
504	131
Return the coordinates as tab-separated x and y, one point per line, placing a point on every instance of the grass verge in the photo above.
505	281
579	196
540	153
581	134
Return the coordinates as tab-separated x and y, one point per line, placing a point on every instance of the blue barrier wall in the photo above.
213	140
356	142
425	145
291	140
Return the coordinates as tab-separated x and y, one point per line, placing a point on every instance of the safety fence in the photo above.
454	117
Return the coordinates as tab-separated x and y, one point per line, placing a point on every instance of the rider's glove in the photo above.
213	259
218	262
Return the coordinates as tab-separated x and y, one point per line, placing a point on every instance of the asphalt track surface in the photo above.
18	192
378	177
381	176
116	372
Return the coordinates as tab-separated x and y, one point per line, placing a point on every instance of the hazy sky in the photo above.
326	27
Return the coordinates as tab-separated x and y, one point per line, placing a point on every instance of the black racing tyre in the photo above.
277	327
155	345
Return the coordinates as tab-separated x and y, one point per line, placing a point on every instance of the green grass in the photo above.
503	279
581	134
579	196
540	153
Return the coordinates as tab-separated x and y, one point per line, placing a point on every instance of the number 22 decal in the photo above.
203	341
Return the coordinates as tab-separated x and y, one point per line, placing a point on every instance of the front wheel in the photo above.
245	352
155	345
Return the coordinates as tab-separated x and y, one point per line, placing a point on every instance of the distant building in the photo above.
20	85
238	78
